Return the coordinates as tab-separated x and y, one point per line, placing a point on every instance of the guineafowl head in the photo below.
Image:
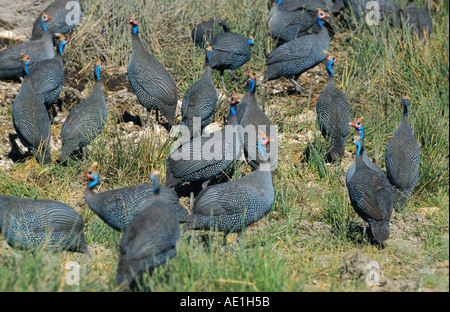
321	15
251	82
331	59
133	22
359	125
63	40
97	68
405	104
26	60
92	175
233	102
44	19
156	178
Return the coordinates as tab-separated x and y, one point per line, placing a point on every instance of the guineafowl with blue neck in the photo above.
151	82
34	224
188	162
119	207
370	195
38	50
200	101
333	114
295	57
31	120
229	51
66	15
47	77
234	205
149	241
402	159
86	120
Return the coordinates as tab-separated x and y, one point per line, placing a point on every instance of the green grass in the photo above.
302	243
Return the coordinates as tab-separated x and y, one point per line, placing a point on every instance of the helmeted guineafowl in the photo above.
403	159
31	120
418	20
370	195
333	114
31	223
232	206
66	15
229	51
149	241
38	50
295	57
285	25
254	121
204	31
200	101
86	120
151	82
119	207
47	77
204	157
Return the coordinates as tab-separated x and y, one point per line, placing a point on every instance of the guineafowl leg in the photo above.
223	82
148	117
235	77
298	87
240	239
191	204
205	184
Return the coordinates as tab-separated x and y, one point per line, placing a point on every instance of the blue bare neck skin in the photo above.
25	68
319	21
358	146
251	42
405	103
94	181
330	68
135	29
209	57
260	148
279	2
61	47
233	110
251	86
361	128
155	186
97	72
43	25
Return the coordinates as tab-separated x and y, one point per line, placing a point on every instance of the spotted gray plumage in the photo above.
333	114
232	206
31	120
418	20
295	57
66	15
151	82
86	120
204	31
119	207
47	77
38	50
189	162
31	223
370	195
402	159
285	25
295	5
149	241
200	101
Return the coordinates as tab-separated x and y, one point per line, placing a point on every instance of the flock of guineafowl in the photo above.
149	215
